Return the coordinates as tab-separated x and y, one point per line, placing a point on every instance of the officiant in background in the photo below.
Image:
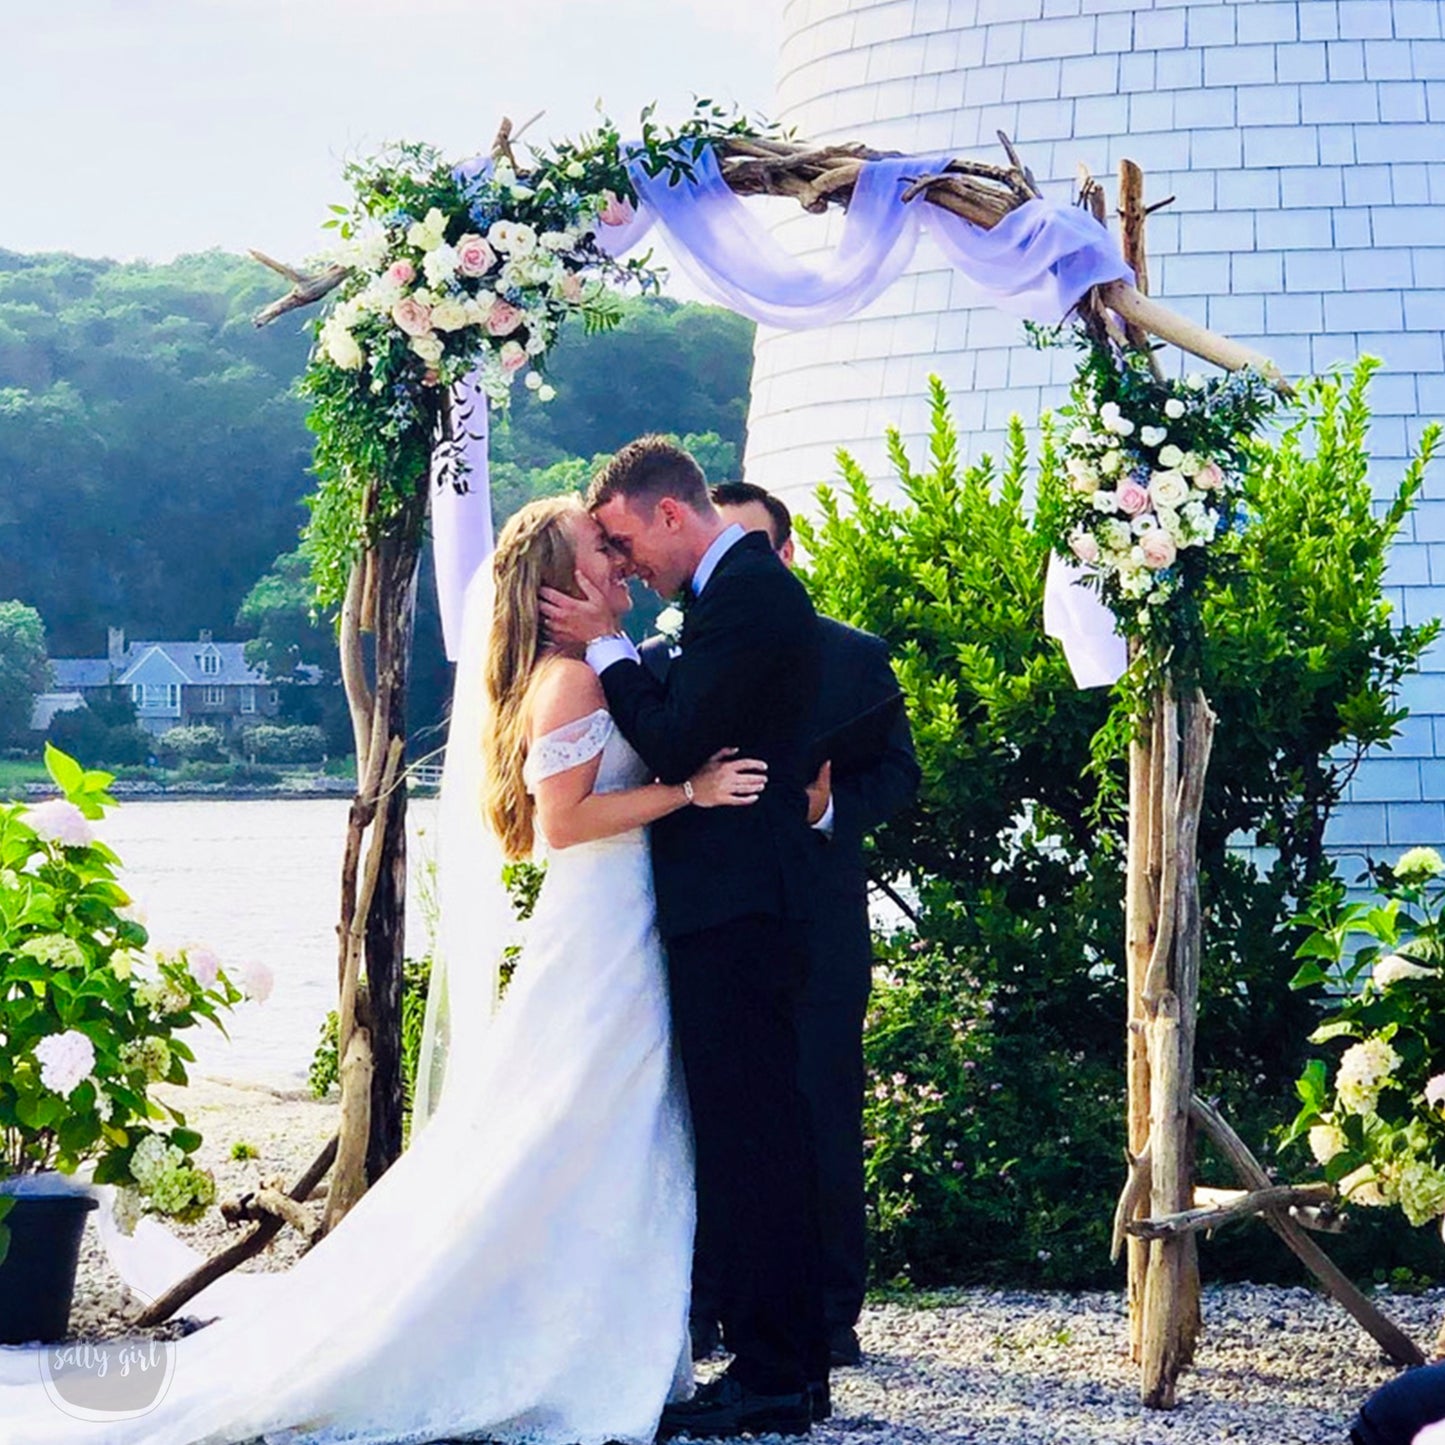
844	807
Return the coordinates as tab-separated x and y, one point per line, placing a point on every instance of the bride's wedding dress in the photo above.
522	1272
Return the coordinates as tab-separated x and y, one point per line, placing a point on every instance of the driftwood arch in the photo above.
1160	1210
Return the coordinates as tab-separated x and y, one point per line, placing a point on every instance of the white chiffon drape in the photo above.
522	1272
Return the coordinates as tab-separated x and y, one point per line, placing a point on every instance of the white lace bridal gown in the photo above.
522	1272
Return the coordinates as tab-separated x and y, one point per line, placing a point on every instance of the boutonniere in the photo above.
672	619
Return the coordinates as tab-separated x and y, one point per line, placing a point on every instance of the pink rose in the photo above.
513	357
504	318
1085	547
402	272
1158	549
412	316
616	210
1131	498
572	287
1209	477
474	256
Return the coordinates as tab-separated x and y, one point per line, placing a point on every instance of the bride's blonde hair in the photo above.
537	549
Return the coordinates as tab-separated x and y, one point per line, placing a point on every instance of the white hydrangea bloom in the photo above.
152	1158
1394	967
1326	1140
59	821
1364	1069
65	1059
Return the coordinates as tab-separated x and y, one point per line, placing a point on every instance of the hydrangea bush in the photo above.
91	1015
1378	1125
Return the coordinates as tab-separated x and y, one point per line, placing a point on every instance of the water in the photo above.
255	879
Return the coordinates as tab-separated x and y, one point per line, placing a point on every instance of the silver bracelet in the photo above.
687	789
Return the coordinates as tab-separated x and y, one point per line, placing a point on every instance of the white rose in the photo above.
1105	502
532	381
342	347
1170	456
1194	381
1168	489
1174	408
450	315
1111	462
670	621
429	348
1189	464
1151	436
546	392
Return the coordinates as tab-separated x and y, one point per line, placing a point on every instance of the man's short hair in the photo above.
739	494
646	471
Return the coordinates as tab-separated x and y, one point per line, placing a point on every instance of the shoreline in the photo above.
141	792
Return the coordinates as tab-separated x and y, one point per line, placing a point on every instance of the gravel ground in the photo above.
1276	1366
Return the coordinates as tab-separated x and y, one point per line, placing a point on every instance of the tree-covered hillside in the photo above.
153	453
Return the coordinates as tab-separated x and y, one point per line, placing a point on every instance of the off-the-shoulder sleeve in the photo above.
568	746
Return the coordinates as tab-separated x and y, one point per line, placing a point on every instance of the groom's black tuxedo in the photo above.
734	890
747	678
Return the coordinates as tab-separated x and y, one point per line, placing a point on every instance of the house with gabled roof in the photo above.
175	684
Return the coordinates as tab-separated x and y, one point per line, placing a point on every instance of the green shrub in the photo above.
194	744
299	743
103	732
240	775
1002	1035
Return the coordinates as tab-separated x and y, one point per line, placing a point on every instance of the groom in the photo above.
734	892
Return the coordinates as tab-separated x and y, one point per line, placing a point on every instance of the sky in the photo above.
150	128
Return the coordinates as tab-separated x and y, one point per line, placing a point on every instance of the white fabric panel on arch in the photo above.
461	521
1037	263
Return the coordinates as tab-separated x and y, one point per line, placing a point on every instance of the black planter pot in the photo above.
37	1279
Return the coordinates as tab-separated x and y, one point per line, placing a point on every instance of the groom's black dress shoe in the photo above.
820	1401
723	1407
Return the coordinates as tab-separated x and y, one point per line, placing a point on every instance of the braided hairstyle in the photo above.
537	549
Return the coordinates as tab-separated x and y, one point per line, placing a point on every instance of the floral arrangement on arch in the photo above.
448	269
91	1013
1153	494
456	268
1378	1127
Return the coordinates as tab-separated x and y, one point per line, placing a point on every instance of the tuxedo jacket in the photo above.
855	674
746	678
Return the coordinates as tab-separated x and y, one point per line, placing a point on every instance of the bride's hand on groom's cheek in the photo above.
582	619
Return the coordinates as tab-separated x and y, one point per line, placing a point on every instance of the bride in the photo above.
521	1273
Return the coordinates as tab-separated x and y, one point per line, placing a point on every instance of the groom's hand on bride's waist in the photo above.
572	620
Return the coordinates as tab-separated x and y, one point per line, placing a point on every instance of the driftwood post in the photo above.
1168	760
